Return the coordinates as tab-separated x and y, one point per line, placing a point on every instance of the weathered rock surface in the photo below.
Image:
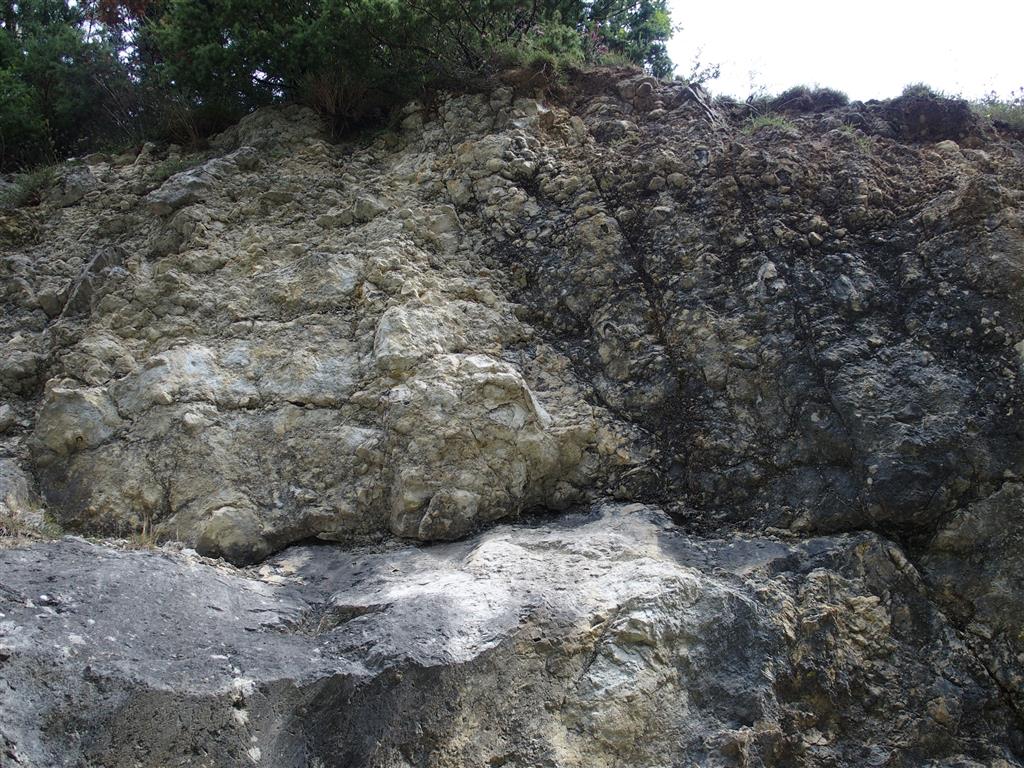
976	566
251	372
20	508
494	310
506	306
607	639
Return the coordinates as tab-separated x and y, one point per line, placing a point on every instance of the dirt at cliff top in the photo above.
509	305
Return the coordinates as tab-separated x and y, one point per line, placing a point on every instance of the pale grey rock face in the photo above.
468	443
73	183
197	184
7	417
802	344
653	649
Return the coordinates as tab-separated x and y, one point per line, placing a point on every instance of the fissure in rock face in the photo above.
639	438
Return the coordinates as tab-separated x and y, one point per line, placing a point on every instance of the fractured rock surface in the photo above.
252	372
604	639
803	342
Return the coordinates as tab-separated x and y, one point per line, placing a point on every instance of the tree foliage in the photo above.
636	31
75	72
62	84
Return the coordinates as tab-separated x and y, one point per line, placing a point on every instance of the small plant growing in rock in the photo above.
862	141
167	168
12	527
756	123
145	538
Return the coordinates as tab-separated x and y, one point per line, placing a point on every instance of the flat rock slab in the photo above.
604	638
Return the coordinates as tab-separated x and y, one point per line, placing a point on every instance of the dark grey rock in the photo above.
606	635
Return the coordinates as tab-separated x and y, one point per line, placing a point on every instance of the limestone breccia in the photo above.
283	374
606	429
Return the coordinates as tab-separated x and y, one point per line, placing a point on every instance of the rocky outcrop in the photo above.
780	366
655	648
259	372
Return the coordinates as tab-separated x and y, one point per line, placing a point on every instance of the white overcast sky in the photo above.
867	48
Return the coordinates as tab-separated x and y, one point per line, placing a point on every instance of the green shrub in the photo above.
1009	111
634	29
355	60
29	188
550	46
63	89
617	60
802	98
24	138
920	90
76	75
